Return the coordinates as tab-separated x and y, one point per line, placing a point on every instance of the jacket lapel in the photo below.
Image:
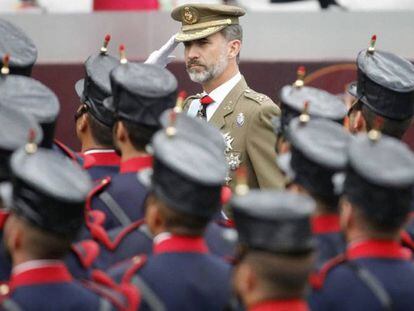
228	104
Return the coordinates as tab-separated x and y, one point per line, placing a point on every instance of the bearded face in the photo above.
207	58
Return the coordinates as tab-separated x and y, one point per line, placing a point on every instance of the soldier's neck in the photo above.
228	73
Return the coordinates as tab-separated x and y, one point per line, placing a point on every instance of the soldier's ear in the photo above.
82	123
358	124
121	132
346	213
234	47
245	279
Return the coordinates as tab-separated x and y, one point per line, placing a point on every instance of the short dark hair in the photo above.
44	244
382	208
233	32
101	133
394	128
139	135
178	222
282	275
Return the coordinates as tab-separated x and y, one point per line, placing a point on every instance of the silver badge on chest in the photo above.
240	119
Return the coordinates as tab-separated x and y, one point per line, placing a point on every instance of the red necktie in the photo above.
205	101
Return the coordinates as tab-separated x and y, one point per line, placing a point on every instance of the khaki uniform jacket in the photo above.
244	117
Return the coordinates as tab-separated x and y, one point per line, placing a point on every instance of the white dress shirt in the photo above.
218	95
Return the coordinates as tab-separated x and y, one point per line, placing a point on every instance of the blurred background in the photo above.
279	36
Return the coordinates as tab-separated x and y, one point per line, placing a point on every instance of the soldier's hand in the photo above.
163	57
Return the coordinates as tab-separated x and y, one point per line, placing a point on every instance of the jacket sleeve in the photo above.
260	146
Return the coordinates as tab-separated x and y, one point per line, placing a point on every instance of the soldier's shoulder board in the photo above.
255	96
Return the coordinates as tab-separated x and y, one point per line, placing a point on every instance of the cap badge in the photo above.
189	15
240	119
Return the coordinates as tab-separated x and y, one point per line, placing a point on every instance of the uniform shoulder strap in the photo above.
115	209
373	284
98	188
317	279
137	262
86	251
112	241
148	295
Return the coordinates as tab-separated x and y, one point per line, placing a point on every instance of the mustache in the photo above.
194	63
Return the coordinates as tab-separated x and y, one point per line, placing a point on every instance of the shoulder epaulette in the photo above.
122	296
86	251
318	278
136	263
69	152
100	185
99	233
257	97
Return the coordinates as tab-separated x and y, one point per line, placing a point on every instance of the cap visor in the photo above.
198	33
79	87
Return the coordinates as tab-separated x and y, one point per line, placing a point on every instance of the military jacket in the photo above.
244	118
371	275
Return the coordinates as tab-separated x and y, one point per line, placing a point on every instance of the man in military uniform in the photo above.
188	173
375	272
47	210
137	105
276	249
93	121
384	92
212	37
15	128
318	161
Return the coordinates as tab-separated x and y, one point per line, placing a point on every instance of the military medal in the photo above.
240	119
228	140
233	159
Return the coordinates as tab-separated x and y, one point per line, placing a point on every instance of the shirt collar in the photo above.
169	243
378	249
136	164
281	305
100	157
39	272
325	224
220	93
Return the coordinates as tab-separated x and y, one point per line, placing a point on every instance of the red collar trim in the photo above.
103	158
136	164
378	249
48	274
281	305
325	224
3	217
181	244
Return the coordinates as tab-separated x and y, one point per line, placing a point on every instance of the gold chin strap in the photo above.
222	22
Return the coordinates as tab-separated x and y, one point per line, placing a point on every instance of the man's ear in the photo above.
359	123
83	123
13	234
121	133
234	47
153	217
346	213
245	280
